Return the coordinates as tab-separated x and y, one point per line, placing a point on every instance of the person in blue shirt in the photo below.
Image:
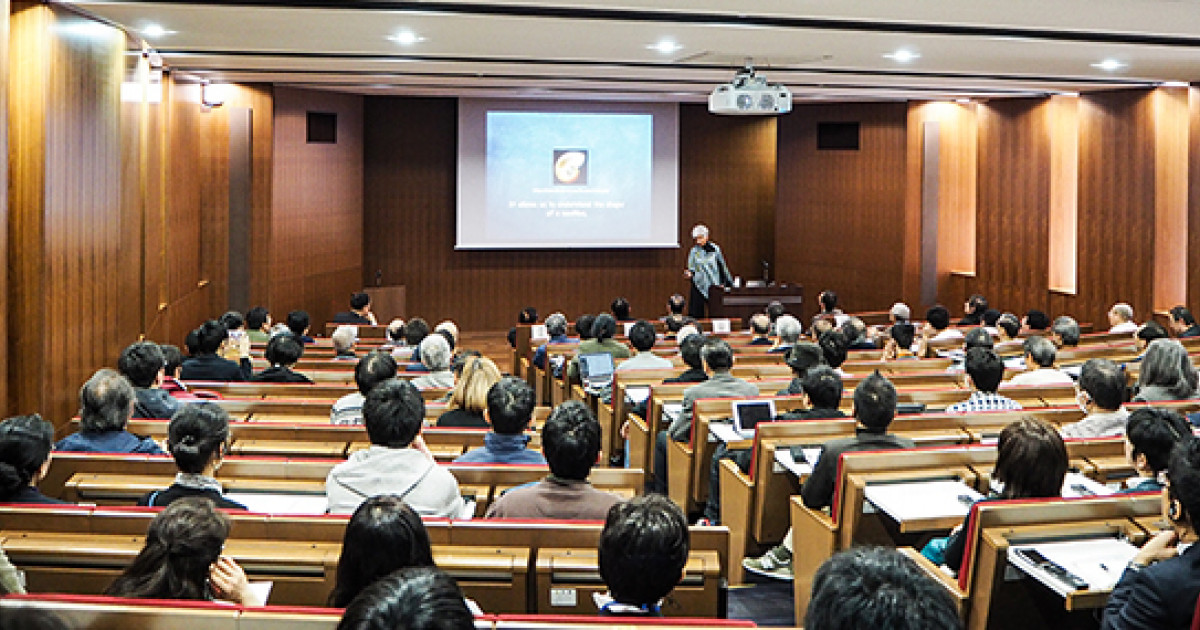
106	403
509	408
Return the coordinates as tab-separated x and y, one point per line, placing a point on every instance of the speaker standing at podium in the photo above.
706	269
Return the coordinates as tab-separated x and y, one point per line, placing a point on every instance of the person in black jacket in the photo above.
206	365
283	351
25	443
197	438
143	364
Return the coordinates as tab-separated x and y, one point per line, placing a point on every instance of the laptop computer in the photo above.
748	413
596	370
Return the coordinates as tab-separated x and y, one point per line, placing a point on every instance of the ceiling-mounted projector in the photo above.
749	94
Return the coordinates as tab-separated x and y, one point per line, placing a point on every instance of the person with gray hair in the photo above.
435	357
1064	332
1120	319
105	404
760	330
789	330
706	269
1008	326
343	340
856	334
556	327
1166	373
1040	355
1101	395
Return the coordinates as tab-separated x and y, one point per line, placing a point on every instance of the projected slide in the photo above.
555	178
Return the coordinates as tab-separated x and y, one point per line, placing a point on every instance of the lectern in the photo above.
746	301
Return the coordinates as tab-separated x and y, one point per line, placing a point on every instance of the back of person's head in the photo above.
359	301
395	330
686	331
977	304
990	316
985	368
233	320
556	324
690	349
384	535
1104	383
642	335
1150	331
1009	324
675	304
1182	315
449	337
373	369
643	549
435	353
415	330
510	405
828	300
854	329
775	309
298	322
1041	351
900	312
192	342
760	324
717	354
448	327
105	402
284	350
583	326
938	316
977	338
528	315
462	359
197	433
1168	365
393	413
182	543
1031	460
903	333
471	388
788	328
823	387
140	362
833	347
875	402
25	443
415	598
571	441
1153	433
343	338
1067	330
1037	320
257	317
604	327
1122	311
172	359
620	308
675	322
877	587
1183	482
209	336
803	357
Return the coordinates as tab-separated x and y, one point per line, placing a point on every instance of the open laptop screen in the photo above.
748	413
595	368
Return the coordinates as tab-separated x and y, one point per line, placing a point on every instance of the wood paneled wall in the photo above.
727	175
316	240
4	354
840	221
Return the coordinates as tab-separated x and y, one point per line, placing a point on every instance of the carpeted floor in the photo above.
765	601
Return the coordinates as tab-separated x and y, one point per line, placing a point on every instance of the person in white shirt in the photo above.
1101	395
1040	355
939	320
1120	319
373	369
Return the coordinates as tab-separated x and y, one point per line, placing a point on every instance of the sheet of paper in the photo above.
1079	485
267	503
935	498
1098	561
671	411
783	457
724	432
262	590
637	395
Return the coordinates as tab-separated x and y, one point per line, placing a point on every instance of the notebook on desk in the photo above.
1066	566
744	421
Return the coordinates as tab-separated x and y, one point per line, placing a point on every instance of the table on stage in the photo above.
746	301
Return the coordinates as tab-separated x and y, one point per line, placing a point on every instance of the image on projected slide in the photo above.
577	177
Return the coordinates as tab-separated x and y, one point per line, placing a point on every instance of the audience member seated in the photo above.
415	331
528	315
603	329
283	351
509	409
397	462
416	598
383	536
182	559
620	310
143	364
197	439
450	330
985	371
899	343
718	358
571	443
25	443
1120	319
1008	327
938	318
689	351
1065	332
1036	322
469	399
642	336
675	323
977	338
298	322
1159	587
990	317
1102	396
556	327
900	312
833	349
876	587
1145	334
234	323
788	332
360	312
973	311
105	402
1150	437
775	309
829	308
760	327
874	408
803	357
258	324
435	357
1031	462
206	365
172	368
1183	323
373	369
1167	373
1040	356
343	339
642	552
393	339
856	335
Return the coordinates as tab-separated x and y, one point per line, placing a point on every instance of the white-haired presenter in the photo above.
706	269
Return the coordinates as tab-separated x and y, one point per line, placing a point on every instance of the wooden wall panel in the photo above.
4	355
727	171
1193	250
316	223
840	221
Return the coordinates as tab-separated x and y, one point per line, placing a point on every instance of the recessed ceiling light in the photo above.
1110	65
902	56
155	30
665	46
406	38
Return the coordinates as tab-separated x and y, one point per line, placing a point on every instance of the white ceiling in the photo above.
822	49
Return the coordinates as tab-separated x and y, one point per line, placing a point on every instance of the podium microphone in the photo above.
766	267
378	277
